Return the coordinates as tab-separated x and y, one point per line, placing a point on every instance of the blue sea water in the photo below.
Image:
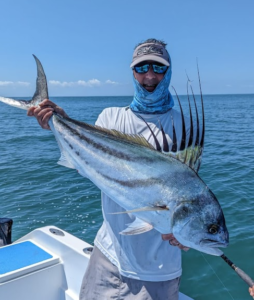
36	192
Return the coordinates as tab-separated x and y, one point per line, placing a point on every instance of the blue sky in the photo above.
86	46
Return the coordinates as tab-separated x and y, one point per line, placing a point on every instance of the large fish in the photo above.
160	188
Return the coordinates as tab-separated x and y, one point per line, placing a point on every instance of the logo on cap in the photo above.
149	49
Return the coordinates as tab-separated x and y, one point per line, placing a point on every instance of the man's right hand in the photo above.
173	241
251	291
44	111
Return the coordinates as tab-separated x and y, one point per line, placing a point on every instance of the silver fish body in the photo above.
134	176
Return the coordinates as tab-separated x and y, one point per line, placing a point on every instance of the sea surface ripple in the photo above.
36	192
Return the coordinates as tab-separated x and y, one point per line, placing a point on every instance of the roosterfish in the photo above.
160	186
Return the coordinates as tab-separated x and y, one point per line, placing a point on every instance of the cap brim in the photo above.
150	57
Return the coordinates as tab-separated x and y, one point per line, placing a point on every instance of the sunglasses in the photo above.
142	69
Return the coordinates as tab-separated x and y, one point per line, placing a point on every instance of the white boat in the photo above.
46	264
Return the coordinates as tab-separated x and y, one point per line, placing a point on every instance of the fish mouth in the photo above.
212	243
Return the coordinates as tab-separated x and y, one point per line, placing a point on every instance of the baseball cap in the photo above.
150	51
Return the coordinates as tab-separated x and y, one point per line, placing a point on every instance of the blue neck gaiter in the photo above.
157	102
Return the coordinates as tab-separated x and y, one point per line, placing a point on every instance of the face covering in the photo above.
157	102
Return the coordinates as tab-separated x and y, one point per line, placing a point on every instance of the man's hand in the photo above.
44	111
251	291
173	241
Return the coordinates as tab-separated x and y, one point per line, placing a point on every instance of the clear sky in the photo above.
86	46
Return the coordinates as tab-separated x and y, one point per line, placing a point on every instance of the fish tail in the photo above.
40	94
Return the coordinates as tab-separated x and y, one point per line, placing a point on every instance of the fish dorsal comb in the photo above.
191	149
133	138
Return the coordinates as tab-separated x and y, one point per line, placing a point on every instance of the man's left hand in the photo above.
251	291
173	241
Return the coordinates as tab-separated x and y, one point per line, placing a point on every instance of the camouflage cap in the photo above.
150	51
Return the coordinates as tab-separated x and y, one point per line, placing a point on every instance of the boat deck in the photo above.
48	263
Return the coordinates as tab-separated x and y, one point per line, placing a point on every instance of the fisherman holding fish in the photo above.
142	266
145	159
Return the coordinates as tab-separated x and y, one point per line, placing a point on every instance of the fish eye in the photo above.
213	229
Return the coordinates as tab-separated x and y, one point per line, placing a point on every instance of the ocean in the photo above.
35	191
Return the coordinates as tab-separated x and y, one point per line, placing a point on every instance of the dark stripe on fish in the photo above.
135	183
101	147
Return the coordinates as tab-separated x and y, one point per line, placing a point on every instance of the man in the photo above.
139	266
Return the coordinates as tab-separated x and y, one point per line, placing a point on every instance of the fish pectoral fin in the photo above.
137	227
63	161
146	208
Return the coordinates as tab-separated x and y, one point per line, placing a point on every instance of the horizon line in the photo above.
84	96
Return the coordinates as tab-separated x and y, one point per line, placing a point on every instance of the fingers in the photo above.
44	111
167	237
30	111
251	291
173	241
182	247
43	115
44	103
47	103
